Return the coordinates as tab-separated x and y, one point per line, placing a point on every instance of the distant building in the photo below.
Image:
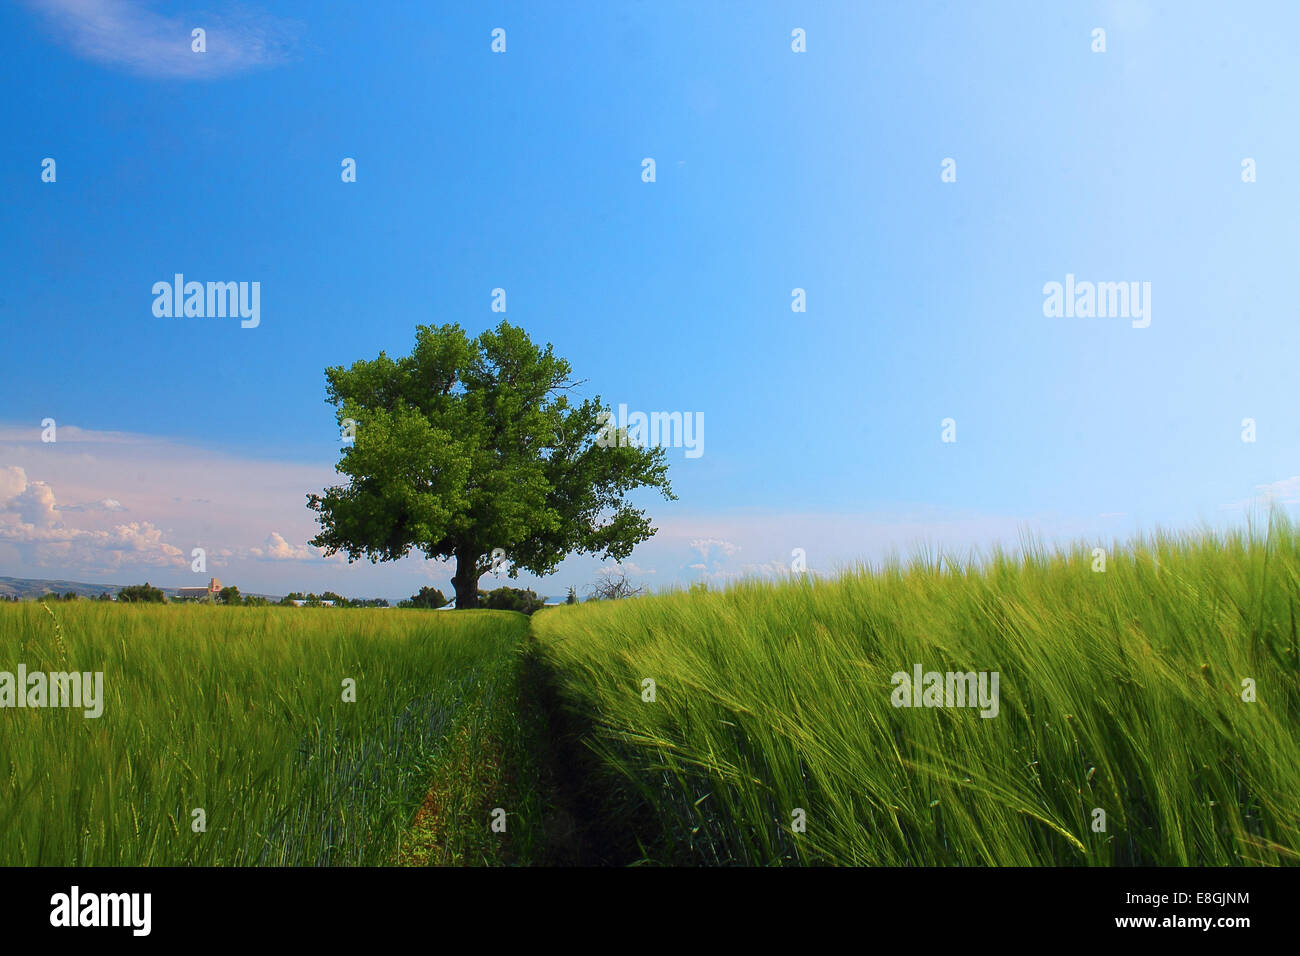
208	593
296	603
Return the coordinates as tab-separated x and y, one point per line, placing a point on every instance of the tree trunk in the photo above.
465	580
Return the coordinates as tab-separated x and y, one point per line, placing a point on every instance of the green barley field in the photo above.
1121	691
240	712
1147	715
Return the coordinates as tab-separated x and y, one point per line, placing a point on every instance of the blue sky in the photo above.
775	170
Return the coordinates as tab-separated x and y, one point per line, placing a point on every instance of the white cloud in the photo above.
1284	492
68	434
12	481
130	35
707	545
30	520
770	570
278	549
104	504
626	567
146	472
1275	493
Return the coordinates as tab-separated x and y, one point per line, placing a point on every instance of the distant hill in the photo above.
30	588
34	588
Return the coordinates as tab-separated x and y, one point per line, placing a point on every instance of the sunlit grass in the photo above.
1120	691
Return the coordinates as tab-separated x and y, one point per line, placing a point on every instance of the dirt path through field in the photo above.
518	748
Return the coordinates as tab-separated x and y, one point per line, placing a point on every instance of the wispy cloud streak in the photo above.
129	35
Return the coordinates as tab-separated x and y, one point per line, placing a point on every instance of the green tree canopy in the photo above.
511	599
142	592
468	445
427	597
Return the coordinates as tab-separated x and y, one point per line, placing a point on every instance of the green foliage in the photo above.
427	597
142	593
230	595
1120	690
55	596
572	597
318	600
467	445
511	599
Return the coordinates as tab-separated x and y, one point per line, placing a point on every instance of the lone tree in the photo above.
612	585
467	446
